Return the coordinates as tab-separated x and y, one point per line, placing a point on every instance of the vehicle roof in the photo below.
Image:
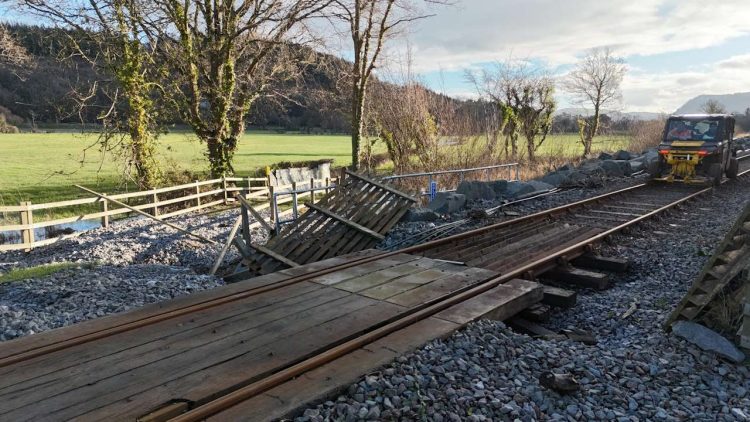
701	116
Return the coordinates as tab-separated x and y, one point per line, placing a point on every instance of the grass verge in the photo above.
18	274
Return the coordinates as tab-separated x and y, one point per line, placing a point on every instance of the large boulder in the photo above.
622	155
577	178
448	202
557	179
637	165
592	169
475	190
605	156
499	186
420	214
616	168
540	186
516	189
708	340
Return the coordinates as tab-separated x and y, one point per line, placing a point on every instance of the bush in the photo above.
646	134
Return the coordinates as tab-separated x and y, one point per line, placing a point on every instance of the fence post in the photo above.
294	199
268	185
197	192
312	190
328	183
224	186
155	200
271	203
105	210
27	218
249	185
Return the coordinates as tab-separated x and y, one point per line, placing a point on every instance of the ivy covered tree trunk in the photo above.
220	155
358	105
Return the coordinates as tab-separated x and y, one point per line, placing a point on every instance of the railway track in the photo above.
520	248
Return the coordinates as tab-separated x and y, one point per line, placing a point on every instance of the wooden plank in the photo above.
180	334
46	338
406	283
602	263
364	282
211	367
382	186
274	255
561	298
348	222
259	218
283	401
202	384
579	277
498	303
441	287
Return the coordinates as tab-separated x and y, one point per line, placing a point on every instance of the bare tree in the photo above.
222	55
11	52
370	24
595	82
713	107
108	34
524	101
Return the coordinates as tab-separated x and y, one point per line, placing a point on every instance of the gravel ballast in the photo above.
78	294
142	241
635	372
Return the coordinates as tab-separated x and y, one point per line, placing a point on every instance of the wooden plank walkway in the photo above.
198	356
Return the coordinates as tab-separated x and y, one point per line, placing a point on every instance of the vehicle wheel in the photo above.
715	173
733	169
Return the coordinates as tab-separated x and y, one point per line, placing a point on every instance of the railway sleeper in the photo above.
579	277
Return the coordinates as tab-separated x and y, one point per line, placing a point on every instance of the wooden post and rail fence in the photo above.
162	202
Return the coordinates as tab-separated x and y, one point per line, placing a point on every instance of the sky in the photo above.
674	50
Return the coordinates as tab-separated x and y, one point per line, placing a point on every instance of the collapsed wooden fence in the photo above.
162	202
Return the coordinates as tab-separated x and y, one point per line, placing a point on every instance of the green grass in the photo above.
43	167
18	274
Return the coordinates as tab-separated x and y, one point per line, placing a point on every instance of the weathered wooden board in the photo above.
198	355
352	217
730	258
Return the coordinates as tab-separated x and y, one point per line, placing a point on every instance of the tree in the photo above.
11	52
524	101
108	35
713	107
222	55
371	23
595	81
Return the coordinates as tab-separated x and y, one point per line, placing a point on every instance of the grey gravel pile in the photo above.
635	372
142	241
78	294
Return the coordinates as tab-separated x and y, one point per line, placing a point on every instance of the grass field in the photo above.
43	167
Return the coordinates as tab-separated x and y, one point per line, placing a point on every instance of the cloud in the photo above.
667	91
559	32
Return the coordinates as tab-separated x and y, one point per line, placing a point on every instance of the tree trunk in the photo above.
220	153
142	140
358	105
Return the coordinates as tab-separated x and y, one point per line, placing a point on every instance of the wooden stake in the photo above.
228	243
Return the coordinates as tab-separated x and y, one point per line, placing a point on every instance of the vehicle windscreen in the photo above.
699	130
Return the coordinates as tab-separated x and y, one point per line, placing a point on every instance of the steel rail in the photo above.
221	300
443	303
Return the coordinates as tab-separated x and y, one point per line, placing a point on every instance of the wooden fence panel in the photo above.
193	198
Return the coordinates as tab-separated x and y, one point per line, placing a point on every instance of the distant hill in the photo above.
617	115
734	103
